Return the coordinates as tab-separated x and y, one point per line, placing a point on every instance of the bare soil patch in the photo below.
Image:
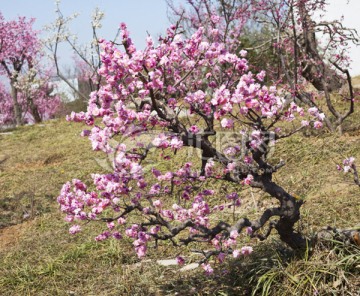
10	236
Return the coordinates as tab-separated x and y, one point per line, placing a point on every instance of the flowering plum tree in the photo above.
36	102
185	92
293	36
20	54
36	94
19	44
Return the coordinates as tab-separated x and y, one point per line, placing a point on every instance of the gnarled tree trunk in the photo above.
316	72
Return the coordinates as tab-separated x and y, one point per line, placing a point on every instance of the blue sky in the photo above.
141	16
350	11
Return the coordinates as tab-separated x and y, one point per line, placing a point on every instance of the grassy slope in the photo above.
38	257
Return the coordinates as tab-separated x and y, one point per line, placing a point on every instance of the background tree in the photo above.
296	57
18	46
38	94
20	56
36	100
85	78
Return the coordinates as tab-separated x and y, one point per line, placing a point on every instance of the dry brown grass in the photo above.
38	257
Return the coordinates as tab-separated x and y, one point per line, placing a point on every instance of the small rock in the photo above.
189	267
167	262
138	264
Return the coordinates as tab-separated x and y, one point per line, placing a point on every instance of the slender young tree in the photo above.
86	56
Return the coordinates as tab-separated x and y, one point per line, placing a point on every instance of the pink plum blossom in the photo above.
75	229
246	250
248	180
207	268
180	260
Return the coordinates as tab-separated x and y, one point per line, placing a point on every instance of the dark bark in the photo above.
34	110
316	72
290	214
17	107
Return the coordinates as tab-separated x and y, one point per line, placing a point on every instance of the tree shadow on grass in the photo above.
235	277
273	269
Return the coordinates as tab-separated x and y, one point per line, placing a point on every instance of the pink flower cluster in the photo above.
348	164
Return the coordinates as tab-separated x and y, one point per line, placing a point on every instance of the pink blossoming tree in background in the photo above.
45	104
30	88
184	92
308	49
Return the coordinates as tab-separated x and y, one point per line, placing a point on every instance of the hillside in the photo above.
39	257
